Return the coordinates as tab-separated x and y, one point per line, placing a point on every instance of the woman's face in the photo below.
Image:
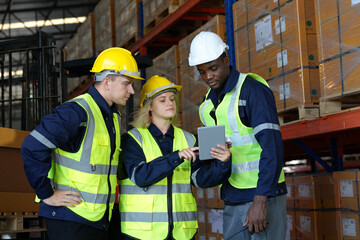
163	106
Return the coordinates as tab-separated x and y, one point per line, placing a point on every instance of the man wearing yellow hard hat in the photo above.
156	201
71	158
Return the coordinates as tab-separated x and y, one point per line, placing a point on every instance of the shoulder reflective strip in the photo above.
156	90
133	173
86	168
42	139
193	178
242	103
189	138
245	167
86	196
135	132
231	114
144	217
155	189
184	216
204	106
88	141
242	140
266	126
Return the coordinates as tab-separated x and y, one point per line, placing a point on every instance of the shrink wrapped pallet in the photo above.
338	24
277	40
103	24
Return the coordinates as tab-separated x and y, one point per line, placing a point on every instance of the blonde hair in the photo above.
142	116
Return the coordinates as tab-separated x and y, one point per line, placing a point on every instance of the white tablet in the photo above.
209	137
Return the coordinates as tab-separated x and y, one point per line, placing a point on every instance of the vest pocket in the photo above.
182	173
89	190
139	212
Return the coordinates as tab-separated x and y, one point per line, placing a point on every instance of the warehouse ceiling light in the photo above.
42	23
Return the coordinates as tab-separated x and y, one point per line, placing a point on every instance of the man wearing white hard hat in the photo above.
255	193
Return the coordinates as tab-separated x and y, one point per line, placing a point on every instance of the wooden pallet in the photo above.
340	104
300	113
20	222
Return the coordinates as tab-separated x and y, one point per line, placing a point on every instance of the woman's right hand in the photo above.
188	154
63	198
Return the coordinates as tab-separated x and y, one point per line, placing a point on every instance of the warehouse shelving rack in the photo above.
333	135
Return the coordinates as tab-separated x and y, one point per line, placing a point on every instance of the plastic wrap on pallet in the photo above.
277	40
103	31
126	22
338	24
194	88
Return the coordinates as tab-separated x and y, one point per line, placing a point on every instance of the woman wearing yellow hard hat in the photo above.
156	200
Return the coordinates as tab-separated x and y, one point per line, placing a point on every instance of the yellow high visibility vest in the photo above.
86	171
245	149
144	213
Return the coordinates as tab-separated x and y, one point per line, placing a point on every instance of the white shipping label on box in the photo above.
288	188
282	59
200	193
349	227
263	33
201	216
284	91
354	2
304	190
346	188
305	223
210	193
280	25
216	220
202	237
212	238
289	222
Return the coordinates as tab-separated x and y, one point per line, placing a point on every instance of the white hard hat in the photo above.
206	47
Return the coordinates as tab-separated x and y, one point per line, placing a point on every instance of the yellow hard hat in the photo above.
155	85
117	61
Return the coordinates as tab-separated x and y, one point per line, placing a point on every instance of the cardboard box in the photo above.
348	225
103	25
346	185
277	40
201	217
199	195
212	198
214	224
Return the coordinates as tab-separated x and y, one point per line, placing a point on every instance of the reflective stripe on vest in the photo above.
87	171
144	211
245	149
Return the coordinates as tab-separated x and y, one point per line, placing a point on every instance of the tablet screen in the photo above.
209	137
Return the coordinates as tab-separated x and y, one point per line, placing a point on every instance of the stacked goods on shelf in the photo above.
277	40
104	25
210	213
311	207
338	24
85	34
156	10
16	195
347	200
126	22
194	88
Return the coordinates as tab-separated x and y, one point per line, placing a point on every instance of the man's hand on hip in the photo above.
63	198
